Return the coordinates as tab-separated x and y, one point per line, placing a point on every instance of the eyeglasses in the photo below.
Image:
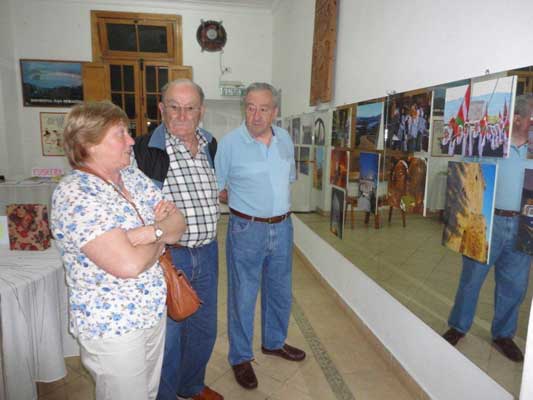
176	108
252	109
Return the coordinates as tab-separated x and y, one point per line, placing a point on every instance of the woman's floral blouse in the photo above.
102	305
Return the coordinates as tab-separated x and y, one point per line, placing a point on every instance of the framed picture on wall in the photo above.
51	83
52	125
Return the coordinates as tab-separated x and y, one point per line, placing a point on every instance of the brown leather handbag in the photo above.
182	300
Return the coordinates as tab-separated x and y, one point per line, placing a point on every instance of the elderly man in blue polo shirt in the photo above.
511	266
255	167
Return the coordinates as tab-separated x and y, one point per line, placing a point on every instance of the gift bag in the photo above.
28	227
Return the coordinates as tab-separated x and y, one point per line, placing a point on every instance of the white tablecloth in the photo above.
34	321
25	193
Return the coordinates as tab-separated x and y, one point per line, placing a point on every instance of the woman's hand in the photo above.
163	209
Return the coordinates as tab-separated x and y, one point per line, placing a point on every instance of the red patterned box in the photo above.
28	226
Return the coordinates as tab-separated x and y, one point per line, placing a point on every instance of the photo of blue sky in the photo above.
51	74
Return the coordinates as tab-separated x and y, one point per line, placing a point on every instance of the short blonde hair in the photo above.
86	124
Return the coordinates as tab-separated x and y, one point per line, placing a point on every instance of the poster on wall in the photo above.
295	126
51	83
338	173
305	153
408	121
478	118
368	181
341	127
524	240
437	135
52	125
336	219
369	126
319	128
470	192
307	128
353	174
407	183
318	166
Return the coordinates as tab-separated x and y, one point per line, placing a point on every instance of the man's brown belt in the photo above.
506	213
271	220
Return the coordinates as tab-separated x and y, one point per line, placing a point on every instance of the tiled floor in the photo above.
341	363
412	265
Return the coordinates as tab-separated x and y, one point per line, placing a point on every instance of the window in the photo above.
136	36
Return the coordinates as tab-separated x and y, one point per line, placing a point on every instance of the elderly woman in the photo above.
111	225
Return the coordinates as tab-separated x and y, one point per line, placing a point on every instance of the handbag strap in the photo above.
93	172
165	260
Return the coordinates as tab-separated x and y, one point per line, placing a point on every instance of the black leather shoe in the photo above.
509	349
287	352
245	375
453	336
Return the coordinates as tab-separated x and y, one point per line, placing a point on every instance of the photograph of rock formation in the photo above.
469	209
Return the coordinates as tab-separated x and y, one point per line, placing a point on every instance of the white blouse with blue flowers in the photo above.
102	305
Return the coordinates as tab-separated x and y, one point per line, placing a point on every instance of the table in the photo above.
33	321
26	193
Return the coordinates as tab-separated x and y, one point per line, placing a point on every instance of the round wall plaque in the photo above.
211	35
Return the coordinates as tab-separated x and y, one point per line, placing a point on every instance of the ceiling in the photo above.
259	4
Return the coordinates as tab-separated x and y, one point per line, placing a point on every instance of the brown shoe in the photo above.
453	336
287	352
245	375
509	349
208	394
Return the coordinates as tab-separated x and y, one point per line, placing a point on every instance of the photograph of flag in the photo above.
478	118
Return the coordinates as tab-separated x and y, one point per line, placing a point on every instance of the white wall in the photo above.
8	100
384	46
60	29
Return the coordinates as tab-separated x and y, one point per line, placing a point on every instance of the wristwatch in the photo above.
158	232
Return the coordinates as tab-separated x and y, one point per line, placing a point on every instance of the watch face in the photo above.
158	233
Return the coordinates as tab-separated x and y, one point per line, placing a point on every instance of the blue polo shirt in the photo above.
257	176
511	178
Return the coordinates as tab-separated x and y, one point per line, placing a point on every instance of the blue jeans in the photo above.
257	254
511	275
189	343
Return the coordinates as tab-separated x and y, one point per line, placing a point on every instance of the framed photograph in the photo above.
52	125
51	83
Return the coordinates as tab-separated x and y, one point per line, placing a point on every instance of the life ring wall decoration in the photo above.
211	36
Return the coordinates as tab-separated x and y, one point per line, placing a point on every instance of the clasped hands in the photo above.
145	234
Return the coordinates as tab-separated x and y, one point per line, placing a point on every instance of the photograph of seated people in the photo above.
111	224
179	157
511	266
259	239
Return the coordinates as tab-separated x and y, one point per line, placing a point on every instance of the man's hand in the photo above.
223	196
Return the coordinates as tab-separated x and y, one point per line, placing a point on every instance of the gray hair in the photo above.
263	86
523	105
183	82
